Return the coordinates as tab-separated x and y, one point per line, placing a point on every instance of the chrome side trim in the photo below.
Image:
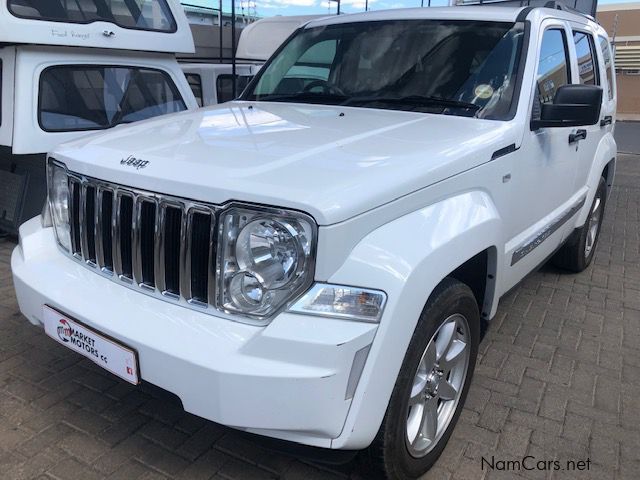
530	245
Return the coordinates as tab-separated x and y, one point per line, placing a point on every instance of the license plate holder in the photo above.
104	351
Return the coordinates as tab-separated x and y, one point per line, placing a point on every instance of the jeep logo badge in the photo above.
132	161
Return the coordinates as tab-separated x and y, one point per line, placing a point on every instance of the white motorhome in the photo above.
212	83
69	68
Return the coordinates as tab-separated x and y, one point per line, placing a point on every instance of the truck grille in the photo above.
158	244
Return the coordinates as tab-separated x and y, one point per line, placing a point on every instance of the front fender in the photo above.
408	258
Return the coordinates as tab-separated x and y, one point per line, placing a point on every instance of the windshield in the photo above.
97	97
152	15
438	66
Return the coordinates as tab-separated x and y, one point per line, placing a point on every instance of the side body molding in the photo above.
407	258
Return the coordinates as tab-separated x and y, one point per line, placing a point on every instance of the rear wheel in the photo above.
432	385
577	253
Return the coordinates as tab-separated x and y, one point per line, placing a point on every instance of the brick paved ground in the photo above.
559	378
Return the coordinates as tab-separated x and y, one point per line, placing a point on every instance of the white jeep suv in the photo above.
313	261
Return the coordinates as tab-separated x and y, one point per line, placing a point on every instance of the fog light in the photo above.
246	291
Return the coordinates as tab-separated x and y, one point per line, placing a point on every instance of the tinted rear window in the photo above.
152	15
98	97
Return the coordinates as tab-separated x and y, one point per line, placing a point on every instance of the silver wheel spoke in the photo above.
453	355
414	422
429	357
446	391
429	426
417	391
445	338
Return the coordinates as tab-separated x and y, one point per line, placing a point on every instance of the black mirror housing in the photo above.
573	106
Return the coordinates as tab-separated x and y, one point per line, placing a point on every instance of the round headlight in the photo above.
270	249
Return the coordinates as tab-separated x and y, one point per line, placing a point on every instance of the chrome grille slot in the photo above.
75	188
89	224
104	229
157	244
147	225
201	241
172	241
124	235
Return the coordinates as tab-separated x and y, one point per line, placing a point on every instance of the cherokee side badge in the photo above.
134	162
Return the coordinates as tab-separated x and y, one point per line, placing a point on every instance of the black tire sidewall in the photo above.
452	297
602	192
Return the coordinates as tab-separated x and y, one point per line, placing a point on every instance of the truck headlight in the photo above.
265	259
59	195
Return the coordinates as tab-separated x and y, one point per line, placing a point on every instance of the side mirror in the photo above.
573	106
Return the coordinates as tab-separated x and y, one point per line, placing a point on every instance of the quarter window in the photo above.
195	82
608	64
152	15
97	97
553	66
586	59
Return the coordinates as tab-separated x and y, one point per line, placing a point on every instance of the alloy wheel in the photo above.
437	385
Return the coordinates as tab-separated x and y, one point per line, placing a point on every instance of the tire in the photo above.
577	253
396	453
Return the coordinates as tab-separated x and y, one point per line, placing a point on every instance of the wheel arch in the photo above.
603	161
457	238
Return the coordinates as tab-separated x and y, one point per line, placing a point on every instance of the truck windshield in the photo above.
466	68
152	15
81	97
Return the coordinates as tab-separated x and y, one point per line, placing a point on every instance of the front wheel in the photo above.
432	385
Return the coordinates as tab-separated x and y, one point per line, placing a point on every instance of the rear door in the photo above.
584	61
7	69
608	81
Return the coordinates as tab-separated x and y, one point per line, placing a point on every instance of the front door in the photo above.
544	170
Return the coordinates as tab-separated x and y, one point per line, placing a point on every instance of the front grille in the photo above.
158	244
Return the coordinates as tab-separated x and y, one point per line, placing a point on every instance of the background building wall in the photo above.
622	22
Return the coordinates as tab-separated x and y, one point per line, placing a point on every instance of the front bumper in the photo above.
287	380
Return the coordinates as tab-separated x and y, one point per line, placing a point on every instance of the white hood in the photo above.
331	162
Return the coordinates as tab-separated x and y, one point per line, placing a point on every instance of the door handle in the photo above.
580	134
608	120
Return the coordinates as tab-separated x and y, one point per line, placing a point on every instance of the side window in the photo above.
553	66
1	90
608	64
195	82
224	86
586	58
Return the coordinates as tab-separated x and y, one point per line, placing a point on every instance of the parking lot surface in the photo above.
557	383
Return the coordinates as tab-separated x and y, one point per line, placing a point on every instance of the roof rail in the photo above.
586	8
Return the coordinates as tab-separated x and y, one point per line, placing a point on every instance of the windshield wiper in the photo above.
302	96
415	101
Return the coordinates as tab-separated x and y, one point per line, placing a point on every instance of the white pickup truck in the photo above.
313	261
